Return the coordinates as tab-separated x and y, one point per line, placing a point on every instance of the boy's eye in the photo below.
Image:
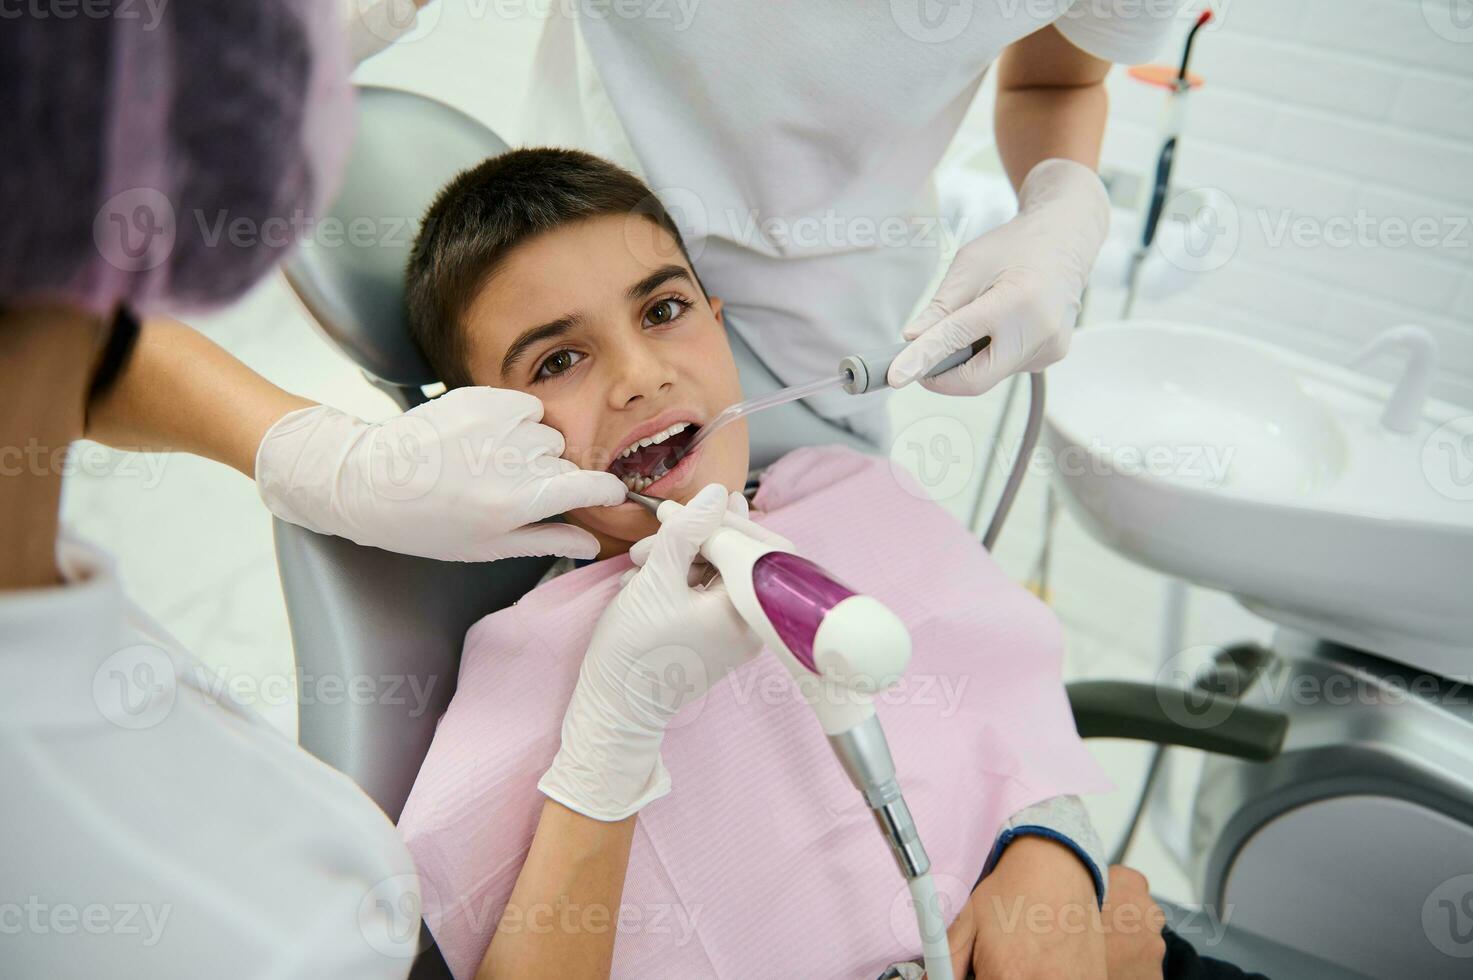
557	362
665	311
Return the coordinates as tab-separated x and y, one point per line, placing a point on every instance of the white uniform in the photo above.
795	143
152	830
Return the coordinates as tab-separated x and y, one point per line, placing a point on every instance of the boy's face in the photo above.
603	321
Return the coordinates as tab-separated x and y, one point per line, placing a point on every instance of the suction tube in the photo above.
935	950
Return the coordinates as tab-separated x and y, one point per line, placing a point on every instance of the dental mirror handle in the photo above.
867	371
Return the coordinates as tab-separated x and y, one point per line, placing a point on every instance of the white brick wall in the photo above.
1328	112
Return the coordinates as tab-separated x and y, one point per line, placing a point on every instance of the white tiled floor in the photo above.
194	542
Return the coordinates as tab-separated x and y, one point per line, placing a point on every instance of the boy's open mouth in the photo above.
648	459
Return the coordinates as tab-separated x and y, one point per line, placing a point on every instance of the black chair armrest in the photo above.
1187	717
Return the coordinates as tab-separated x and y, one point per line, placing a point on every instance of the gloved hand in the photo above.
1020	284
736	518
459	478
659	645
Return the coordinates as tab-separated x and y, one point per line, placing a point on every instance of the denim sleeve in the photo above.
1062	819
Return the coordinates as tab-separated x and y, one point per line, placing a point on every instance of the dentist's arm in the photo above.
466	477
181	392
659	645
1051	104
1021	284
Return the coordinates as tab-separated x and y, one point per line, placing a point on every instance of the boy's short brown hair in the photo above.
484	213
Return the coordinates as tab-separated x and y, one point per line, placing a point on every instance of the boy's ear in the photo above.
715	304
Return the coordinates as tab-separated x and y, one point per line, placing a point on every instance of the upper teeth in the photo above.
658	437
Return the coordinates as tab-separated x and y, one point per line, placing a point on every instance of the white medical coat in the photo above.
155	829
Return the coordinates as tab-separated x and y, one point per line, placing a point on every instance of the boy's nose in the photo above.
640	372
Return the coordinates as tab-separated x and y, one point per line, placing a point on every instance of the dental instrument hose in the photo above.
865	756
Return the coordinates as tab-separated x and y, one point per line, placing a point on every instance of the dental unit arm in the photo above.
841	649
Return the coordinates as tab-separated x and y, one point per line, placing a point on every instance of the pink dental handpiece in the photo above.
841	649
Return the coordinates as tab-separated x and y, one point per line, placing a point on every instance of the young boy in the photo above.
557	274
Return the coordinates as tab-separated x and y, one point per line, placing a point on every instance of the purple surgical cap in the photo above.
164	155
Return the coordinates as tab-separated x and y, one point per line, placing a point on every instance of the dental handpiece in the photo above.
841	648
858	374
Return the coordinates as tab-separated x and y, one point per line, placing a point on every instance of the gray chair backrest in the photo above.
350	275
378	636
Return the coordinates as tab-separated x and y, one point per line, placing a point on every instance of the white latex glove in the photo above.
1019	284
736	518
460	478
659	645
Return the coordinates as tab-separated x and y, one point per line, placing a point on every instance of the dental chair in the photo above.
357	611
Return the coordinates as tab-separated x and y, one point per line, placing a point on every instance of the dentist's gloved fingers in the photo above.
682	533
949	334
537	540
571	488
736	518
504	408
658	647
640	551
969	275
1019	284
757	532
459	478
942	325
1004	313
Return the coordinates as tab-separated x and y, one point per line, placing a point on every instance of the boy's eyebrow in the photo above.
560	326
656	279
547	331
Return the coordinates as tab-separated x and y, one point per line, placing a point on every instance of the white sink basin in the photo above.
1247	468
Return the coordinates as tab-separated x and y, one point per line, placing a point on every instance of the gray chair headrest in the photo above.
350	273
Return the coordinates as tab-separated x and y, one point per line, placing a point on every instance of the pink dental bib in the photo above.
763	861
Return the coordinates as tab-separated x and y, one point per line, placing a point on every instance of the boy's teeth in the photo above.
655	439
